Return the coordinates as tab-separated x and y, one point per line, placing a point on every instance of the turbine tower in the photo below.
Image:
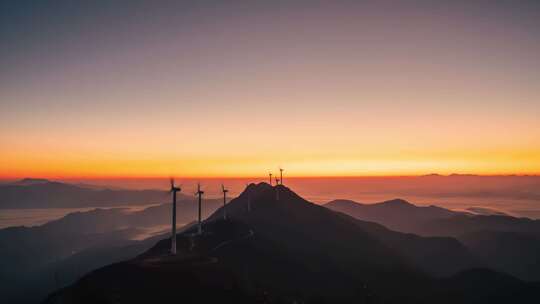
224	201
248	198
199	193
277	189
281	175
173	236
270	178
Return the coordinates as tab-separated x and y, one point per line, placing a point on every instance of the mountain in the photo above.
395	214
462	224
502	242
403	216
37	260
285	251
435	255
511	252
31	181
41	193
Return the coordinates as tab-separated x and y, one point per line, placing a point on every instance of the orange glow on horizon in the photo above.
518	164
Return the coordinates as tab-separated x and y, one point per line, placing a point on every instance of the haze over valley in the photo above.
46	199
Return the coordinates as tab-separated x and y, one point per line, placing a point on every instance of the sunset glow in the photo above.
323	90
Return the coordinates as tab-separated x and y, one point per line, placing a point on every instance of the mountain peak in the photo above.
398	202
255	188
342	203
27	181
263	198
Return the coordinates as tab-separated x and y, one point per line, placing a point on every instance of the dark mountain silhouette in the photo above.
40	193
463	224
503	242
432	221
31	181
289	251
433	255
37	260
511	252
395	214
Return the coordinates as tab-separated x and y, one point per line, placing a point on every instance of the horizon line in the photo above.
132	177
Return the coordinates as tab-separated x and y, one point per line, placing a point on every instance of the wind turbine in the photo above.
173	236
249	198
281	175
199	193
277	189
270	178
224	201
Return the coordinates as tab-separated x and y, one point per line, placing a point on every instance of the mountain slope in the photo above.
511	252
281	251
294	215
502	242
229	263
36	259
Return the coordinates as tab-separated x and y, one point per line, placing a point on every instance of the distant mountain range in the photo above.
31	181
292	251
504	242
395	214
42	193
432	220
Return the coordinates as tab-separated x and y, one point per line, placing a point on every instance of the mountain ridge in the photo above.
280	251
517	239
391	213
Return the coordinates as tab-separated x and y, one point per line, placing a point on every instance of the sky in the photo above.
238	88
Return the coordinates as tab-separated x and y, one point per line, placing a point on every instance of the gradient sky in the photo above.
237	88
